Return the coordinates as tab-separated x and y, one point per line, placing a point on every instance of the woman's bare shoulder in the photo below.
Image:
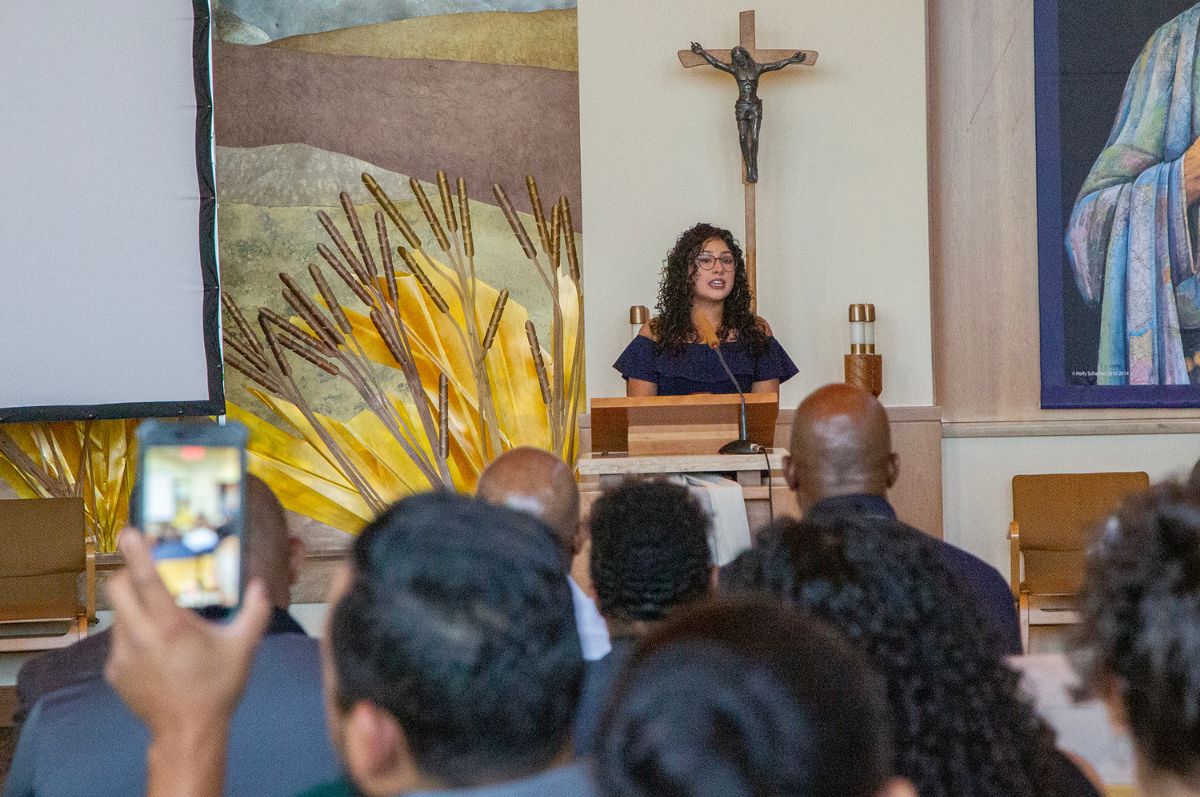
762	324
647	330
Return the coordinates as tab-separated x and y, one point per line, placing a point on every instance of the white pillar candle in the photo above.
858	328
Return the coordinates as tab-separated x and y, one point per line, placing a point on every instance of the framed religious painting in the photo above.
1118	181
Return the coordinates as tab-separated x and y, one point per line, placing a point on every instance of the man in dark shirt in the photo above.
841	461
278	739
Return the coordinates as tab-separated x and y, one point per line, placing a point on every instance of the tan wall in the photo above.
842	196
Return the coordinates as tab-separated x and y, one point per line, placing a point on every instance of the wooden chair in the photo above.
44	550
1052	515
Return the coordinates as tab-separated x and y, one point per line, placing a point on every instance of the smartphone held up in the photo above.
188	502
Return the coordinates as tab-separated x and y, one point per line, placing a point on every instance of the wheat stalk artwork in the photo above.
450	371
92	460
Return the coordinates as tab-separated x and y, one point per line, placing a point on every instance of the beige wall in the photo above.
977	476
842	195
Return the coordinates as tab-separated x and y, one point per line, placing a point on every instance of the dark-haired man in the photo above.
841	461
535	481
650	556
452	665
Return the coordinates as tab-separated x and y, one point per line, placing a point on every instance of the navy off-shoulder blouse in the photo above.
696	369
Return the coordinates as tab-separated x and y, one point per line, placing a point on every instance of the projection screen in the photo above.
109	293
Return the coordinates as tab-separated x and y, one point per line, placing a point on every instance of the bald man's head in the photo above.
537	482
272	554
841	445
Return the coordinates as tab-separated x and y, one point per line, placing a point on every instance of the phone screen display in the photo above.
191	512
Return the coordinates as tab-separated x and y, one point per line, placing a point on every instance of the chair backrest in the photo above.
1055	511
43	551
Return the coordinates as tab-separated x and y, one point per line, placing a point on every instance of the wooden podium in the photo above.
698	424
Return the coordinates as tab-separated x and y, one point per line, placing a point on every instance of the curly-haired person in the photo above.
649	557
703	301
1138	642
961	726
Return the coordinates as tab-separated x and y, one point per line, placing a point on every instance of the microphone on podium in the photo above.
742	445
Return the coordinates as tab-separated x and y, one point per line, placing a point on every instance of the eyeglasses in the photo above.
707	262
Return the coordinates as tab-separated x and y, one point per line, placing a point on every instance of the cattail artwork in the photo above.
347	342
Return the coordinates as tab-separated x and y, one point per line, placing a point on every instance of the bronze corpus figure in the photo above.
748	108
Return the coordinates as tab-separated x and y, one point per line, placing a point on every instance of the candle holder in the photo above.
863	367
638	315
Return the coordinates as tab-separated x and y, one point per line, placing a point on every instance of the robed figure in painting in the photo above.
1132	239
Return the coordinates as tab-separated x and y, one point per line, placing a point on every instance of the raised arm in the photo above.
700	51
799	58
182	675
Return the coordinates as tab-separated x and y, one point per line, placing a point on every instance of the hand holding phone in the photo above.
188	503
180	675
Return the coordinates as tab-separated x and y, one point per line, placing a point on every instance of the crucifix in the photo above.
747	64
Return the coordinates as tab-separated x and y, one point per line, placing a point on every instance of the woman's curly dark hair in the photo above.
962	727
1140	624
672	327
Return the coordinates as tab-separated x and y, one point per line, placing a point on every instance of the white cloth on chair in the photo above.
725	504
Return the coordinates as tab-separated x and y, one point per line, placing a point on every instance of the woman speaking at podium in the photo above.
703	302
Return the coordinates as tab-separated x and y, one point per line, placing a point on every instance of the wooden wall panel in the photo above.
983	216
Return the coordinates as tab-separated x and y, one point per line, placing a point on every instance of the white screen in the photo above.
101	286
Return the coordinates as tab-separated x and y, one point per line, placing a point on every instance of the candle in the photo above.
862	329
858	328
638	315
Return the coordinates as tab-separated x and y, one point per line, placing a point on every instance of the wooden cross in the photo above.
690	59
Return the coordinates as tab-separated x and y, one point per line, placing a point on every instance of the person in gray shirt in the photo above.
78	738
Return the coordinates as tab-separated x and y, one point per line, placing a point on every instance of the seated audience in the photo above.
271	554
842	463
650	556
711	706
962	728
535	481
452	663
1138	642
80	739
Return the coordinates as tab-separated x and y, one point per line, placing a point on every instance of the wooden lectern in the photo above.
656	436
698	424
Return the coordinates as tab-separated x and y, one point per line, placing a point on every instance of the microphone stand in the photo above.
742	445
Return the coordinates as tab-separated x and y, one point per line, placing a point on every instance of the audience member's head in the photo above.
712	705
961	727
1138	642
841	445
649	552
455	659
271	553
535	481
